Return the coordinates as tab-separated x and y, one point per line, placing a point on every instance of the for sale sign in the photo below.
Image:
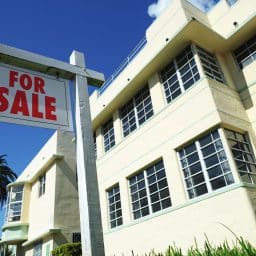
36	99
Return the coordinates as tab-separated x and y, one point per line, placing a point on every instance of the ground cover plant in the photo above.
241	247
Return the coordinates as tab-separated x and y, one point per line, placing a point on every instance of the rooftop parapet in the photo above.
170	32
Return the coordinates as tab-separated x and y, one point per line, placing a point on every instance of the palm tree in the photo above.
6	176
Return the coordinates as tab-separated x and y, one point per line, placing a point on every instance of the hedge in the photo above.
69	249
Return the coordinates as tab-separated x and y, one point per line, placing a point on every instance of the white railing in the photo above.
124	64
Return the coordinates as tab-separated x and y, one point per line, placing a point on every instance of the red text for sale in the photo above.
30	99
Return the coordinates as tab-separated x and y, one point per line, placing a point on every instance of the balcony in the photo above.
14	233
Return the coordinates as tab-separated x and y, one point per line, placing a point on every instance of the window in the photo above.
115	209
48	250
14	203
38	249
205	166
243	155
42	182
149	191
95	144
180	74
136	111
246	53
210	65
76	237
231	2
108	135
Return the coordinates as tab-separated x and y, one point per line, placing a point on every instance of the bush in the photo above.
70	249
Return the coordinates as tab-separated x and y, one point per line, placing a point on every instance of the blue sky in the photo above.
106	31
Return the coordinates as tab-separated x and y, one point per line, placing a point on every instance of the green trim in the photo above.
47	232
14	225
16	183
15	233
47	249
183	205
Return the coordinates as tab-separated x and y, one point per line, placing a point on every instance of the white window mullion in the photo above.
197	60
135	112
183	176
178	76
204	169
148	192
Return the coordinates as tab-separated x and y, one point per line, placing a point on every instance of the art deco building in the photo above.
175	132
42	209
175	142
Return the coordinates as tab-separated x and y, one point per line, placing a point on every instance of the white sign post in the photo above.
89	206
42	99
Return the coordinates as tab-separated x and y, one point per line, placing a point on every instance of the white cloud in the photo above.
155	9
204	4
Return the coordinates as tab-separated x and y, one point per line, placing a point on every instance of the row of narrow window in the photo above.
15	197
178	76
205	168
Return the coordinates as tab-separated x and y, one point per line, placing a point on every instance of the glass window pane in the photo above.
108	135
114	205
210	64
209	169
245	54
243	154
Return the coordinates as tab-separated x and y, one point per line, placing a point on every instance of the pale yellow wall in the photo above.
222	17
39	160
41	216
25	203
185	224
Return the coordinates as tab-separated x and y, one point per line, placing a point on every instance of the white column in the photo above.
156	93
99	143
90	216
117	127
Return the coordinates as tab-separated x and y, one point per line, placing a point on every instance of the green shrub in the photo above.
70	249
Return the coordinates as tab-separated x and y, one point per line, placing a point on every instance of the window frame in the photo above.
250	152
235	56
107	129
38	246
9	202
207	179
144	172
110	220
215	62
178	74
133	105
41	184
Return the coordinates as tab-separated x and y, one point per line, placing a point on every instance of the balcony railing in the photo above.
124	64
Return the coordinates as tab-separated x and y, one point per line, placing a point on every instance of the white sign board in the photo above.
36	99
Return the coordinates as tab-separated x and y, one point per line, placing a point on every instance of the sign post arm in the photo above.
90	216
